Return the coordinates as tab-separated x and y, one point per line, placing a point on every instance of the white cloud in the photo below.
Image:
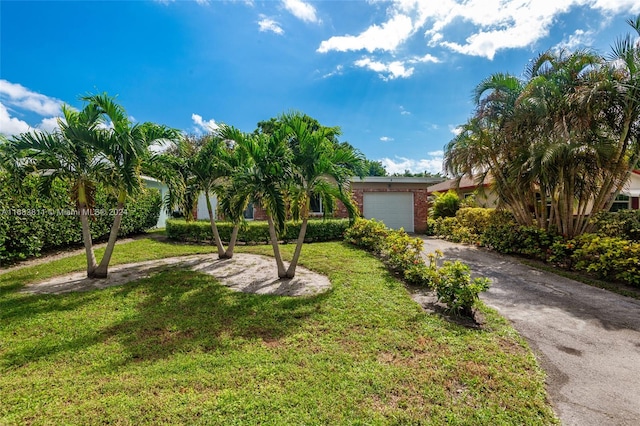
202	2
10	126
400	164
388	71
579	38
387	36
49	124
301	10
404	111
386	139
19	96
204	125
337	71
268	24
456	130
488	26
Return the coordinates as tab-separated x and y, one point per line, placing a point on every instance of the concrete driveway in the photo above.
586	339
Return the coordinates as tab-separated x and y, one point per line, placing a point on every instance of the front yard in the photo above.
180	348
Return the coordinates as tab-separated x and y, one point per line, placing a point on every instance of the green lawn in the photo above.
178	348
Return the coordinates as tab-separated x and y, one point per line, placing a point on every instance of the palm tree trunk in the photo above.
86	238
282	272
102	269
291	271
214	228
232	243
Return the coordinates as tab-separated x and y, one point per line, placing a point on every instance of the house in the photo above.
398	201
629	197
150	182
468	187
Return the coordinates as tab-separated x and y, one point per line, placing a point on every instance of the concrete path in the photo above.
586	339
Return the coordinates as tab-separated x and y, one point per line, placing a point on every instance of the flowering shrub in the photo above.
454	286
402	251
367	234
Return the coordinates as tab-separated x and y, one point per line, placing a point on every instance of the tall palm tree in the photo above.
124	145
264	175
69	154
322	168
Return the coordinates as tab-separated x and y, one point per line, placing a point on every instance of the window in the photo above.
315	204
248	212
622	202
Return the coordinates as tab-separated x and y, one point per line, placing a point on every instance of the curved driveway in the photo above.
585	338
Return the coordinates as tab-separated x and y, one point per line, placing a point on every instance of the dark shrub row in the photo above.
613	252
256	231
30	222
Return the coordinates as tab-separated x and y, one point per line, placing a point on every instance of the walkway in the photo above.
586	339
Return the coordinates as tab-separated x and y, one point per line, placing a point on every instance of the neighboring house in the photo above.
467	187
629	197
164	190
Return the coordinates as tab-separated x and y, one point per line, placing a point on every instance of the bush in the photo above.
367	234
403	254
454	286
608	257
445	205
621	224
499	234
31	222
475	219
256	231
402	251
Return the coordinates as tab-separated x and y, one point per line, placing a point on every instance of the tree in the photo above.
69	154
124	146
263	175
374	168
560	144
321	169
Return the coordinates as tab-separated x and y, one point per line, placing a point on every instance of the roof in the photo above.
395	179
465	183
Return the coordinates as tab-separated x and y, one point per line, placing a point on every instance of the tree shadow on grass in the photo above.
178	311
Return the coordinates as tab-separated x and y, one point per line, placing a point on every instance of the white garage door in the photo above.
395	209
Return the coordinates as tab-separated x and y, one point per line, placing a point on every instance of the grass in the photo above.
180	348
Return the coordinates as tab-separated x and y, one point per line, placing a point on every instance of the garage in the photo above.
395	209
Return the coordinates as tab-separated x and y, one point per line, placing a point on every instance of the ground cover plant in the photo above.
180	348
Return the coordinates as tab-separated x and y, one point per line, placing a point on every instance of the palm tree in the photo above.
263	175
322	168
566	135
69	154
124	145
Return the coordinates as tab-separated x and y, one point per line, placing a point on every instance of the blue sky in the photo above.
396	76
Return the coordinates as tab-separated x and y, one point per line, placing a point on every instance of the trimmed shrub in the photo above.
476	219
608	257
454	287
31	222
621	224
255	232
367	234
402	251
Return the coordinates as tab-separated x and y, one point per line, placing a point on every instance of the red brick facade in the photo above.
417	186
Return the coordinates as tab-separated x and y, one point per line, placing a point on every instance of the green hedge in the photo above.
256	231
30	222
